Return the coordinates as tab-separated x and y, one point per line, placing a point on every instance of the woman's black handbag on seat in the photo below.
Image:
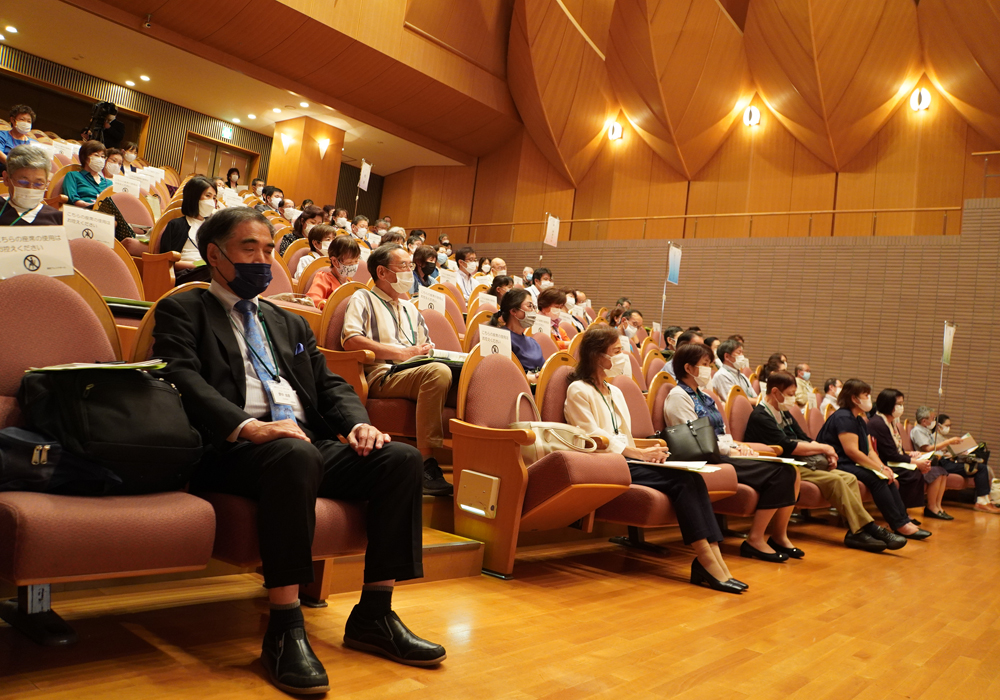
694	441
124	420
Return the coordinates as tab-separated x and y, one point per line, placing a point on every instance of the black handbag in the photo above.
694	441
30	461
123	420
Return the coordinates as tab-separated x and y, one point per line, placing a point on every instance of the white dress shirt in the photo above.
190	253
257	404
726	378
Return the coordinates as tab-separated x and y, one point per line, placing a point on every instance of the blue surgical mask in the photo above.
442	258
806	375
251	279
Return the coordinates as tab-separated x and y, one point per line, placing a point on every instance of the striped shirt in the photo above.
373	314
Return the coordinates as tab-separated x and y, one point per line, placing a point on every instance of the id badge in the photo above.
282	393
618	443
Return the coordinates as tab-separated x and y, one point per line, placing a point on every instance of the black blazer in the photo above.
174	235
194	335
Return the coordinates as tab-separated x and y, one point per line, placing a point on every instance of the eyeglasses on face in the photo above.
30	185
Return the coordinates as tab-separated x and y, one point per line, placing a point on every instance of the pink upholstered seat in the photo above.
637	372
102	266
569	329
554	401
659	420
799	418
280	281
293	261
814	422
548	345
362	275
132	209
455	312
655	367
462	304
442	333
642	424
739	414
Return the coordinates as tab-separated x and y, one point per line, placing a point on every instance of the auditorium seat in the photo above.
472	328
305	281
656	397
569	329
442	330
637	373
293	254
135	210
54	196
46	538
546	343
653	365
554	492
799	418
814	421
457	295
453	308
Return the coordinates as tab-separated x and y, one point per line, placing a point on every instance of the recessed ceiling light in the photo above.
12	30
251	116
144	77
2	37
130	83
276	110
303	104
236	120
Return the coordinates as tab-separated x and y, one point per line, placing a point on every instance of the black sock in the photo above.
376	602
284	618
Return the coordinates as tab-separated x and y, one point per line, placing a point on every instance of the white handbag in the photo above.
549	437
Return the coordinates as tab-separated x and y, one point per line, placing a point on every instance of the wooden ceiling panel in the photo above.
298	54
176	15
257	29
559	84
963	61
681	75
594	17
474	29
833	71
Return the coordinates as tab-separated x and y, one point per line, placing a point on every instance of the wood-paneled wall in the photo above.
433	195
302	171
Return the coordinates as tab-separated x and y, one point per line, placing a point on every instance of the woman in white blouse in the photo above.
600	409
777	485
319	237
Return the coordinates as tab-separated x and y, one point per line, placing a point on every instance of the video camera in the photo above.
98	118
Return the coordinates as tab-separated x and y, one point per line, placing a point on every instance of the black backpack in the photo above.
124	420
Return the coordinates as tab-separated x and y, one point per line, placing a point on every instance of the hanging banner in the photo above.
949	339
366	172
552	231
674	265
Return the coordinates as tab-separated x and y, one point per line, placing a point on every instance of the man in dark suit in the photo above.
269	410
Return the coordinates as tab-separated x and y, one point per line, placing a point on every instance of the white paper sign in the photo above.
518	282
431	299
542	325
364	254
656	327
626	346
552	231
42	250
157	173
87	223
485	279
63	148
127	184
486	298
366	172
449	277
50	149
494	341
145	179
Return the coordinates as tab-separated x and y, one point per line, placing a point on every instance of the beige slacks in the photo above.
428	385
841	490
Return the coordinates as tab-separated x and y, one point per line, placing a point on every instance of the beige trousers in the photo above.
841	490
428	385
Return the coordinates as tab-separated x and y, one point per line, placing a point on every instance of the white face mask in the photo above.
403	283
129	157
206	207
275	201
897	412
348	271
27	198
469	266
306	229
619	364
865	404
96	163
342	223
836	390
324	247
23	127
703	376
258	190
786	402
741	363
630	331
501	272
529	319
545	284
944	429
113	169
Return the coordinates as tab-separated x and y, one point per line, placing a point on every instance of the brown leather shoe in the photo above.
986	508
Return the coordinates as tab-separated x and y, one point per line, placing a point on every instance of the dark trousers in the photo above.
689	496
886	495
285	477
981	477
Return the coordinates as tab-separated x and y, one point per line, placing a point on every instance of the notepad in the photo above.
144	365
769	458
701	467
902	465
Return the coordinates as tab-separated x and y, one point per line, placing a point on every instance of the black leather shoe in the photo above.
700	576
792	552
737	582
389	637
918	535
892	541
746	550
434	482
940	515
865	542
915	522
291	663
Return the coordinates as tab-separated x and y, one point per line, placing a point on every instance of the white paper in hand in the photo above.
431	299
87	223
494	341
42	250
374	239
656	327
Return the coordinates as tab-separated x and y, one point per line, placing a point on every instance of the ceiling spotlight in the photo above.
303	104
12	30
276	110
130	83
920	99
251	116
751	116
236	120
3	38
614	131
144	78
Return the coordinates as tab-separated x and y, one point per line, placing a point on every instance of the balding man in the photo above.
498	267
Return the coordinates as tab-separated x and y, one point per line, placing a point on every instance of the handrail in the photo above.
986	153
675	217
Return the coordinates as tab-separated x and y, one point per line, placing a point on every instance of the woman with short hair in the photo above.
344	253
198	202
320	236
82	187
425	272
115	159
233	178
310	216
501	285
130	151
552	303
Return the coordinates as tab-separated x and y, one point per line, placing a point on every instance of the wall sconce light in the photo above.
920	99
751	116
323	145
614	131
286	141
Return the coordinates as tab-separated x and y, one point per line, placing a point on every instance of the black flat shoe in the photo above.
918	535
915	522
940	515
291	664
700	576
389	637
749	552
434	482
892	541
740	584
793	552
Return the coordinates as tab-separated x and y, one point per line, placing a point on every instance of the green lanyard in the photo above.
399	328
274	373
4	208
614	423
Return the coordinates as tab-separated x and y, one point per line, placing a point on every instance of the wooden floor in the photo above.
582	620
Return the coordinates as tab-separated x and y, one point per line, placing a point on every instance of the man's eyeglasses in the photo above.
30	185
406	267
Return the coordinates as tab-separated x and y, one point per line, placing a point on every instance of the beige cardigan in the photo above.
587	408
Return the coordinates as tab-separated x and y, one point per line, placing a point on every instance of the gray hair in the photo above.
220	226
381	257
923	413
398	229
28	157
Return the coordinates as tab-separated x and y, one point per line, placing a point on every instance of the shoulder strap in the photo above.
534	407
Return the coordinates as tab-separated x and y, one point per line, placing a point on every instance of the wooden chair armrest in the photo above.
350	365
643	443
767	450
158	273
312	315
460	428
602	442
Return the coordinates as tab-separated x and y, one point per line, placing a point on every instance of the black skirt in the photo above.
774	482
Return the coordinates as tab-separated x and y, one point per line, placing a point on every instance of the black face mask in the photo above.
429	268
251	279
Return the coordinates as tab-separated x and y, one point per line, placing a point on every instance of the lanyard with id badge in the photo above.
618	441
280	390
